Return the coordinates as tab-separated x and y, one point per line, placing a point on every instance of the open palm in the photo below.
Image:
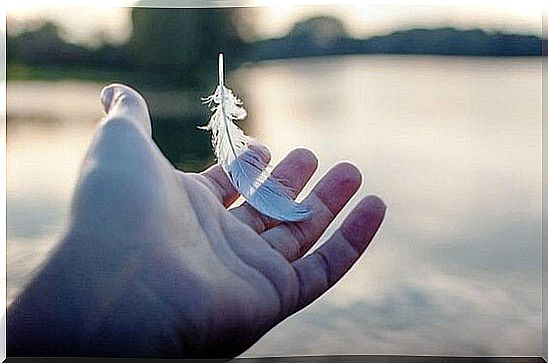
156	264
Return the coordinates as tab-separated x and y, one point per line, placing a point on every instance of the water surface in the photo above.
453	145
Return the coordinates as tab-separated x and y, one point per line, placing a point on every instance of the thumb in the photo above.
123	170
121	100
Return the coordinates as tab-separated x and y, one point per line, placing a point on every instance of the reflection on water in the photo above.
452	144
186	146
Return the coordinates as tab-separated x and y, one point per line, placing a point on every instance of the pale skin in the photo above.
156	263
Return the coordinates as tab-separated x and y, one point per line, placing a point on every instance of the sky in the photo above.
82	24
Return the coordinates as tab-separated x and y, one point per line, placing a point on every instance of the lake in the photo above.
452	144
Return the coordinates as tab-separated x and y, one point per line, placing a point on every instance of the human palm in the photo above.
155	262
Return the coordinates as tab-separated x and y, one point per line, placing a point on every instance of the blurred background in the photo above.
439	106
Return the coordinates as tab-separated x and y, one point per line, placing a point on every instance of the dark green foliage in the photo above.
185	41
186	146
168	48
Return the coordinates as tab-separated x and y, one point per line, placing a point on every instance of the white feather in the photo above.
244	166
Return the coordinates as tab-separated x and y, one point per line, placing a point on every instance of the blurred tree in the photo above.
184	40
316	36
320	31
42	45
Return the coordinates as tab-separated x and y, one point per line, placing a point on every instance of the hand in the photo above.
155	265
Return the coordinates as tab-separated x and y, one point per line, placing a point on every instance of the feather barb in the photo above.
243	164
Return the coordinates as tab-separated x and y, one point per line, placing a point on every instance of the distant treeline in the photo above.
180	46
309	38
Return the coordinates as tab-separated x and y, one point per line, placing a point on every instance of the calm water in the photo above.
453	145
